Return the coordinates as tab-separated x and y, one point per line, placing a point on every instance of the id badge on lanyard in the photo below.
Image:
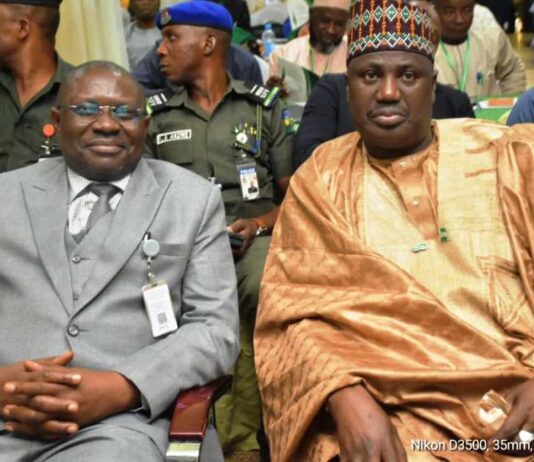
247	146
248	178
156	295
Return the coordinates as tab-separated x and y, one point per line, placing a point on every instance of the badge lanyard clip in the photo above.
156	295
151	250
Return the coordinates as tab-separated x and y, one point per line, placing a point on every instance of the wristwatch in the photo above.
262	227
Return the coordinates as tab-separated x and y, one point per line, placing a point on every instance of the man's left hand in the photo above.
97	395
521	417
248	229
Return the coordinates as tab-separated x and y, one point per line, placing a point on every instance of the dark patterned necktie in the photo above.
104	191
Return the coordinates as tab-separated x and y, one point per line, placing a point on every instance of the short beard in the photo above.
321	47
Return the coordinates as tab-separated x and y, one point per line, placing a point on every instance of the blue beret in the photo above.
196	13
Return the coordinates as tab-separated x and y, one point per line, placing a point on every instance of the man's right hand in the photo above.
49	427
57	400
16	372
248	229
364	430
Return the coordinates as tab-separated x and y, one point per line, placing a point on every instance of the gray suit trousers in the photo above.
99	443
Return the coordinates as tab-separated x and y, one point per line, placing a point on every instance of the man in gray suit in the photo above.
101	251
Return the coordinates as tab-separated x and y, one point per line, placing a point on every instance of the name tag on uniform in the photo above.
158	305
177	135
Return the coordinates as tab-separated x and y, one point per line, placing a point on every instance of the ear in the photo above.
24	28
146	123
210	43
434	82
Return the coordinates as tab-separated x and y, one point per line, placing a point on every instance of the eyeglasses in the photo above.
122	113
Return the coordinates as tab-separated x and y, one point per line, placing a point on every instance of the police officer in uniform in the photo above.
238	136
30	75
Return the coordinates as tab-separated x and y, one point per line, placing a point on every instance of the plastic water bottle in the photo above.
267	38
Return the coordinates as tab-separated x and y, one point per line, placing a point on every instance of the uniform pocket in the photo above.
175	147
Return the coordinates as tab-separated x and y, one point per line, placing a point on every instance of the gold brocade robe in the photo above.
344	299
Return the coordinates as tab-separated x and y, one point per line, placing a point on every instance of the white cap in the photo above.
340	4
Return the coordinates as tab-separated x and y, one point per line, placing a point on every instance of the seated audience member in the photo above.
523	110
398	288
141	33
477	60
87	370
236	135
30	76
327	114
325	48
240	63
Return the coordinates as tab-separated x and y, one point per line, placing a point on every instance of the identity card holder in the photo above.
156	295
248	178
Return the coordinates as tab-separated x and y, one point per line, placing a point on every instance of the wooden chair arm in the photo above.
191	412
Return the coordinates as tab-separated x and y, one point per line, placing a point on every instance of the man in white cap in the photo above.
325	49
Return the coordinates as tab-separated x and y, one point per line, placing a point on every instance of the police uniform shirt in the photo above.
21	128
184	134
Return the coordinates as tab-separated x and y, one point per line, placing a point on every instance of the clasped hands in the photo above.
46	399
366	434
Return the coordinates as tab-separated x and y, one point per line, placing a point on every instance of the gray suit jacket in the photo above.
185	214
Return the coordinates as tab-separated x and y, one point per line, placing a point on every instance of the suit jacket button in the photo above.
73	330
76	259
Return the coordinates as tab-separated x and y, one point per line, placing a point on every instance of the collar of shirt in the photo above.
181	98
78	183
8	82
81	201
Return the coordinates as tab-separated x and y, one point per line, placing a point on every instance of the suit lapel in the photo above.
131	220
47	205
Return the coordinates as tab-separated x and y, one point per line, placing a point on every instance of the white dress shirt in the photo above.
82	200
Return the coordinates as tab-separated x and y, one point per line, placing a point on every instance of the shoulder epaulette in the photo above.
262	94
157	101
